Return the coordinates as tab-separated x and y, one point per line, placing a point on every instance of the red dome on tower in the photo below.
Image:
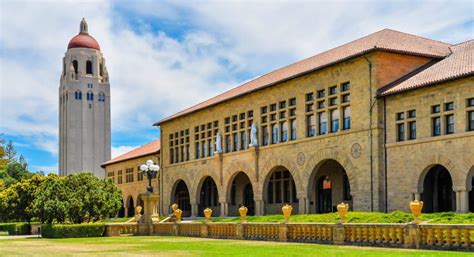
83	39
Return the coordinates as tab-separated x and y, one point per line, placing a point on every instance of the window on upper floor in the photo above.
74	65
78	95
90	96
293	129
89	67
401	132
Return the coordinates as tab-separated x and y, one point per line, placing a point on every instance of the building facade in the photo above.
124	171
84	107
377	122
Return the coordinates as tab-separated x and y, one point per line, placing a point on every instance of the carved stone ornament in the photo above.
300	158
356	150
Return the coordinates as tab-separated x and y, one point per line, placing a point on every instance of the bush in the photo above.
23	228
73	230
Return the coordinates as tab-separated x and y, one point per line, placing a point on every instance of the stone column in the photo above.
194	210
150	215
462	201
224	206
338	234
302	204
412	236
259	208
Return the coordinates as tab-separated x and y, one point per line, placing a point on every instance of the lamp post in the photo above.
149	169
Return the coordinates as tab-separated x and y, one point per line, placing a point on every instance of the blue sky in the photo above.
165	56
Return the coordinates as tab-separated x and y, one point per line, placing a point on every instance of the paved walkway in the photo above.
17	237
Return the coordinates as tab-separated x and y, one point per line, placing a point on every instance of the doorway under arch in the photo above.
329	185
241	193
280	189
208	197
438	194
130	207
181	197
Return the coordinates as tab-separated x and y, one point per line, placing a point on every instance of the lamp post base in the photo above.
150	215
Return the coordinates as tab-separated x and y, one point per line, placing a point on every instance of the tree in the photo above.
10	151
51	203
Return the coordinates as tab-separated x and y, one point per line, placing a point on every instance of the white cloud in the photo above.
119	150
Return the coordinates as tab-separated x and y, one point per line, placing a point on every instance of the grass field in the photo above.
185	246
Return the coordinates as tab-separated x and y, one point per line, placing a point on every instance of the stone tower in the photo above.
84	107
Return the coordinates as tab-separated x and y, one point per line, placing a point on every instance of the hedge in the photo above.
23	228
73	230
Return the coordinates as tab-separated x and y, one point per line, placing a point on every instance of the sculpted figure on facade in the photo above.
253	135
218	143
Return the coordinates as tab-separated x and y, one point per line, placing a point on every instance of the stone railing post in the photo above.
111	230
204	230
283	232
175	229
338	234
239	231
412	236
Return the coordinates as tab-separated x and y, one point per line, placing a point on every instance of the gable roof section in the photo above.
459	64
146	149
385	40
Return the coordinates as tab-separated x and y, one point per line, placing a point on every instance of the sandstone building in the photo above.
84	107
376	122
124	171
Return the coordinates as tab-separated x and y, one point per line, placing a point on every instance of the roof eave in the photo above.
103	165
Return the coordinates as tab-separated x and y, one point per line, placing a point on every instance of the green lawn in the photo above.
186	246
3	233
361	217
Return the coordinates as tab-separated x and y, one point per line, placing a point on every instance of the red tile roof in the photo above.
385	40
457	65
149	148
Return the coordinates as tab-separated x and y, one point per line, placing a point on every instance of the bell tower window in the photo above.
78	95
89	67
90	96
74	64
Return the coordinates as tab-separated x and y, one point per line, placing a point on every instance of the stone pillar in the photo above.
338	234
282	232
150	215
412	236
224	208
194	210
302	204
259	208
204	230
462	201
239	233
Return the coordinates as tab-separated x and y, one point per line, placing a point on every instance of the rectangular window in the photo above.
321	104
235	146
182	153
346	112
401	132
227	144
470	102
435	109
311	125
322	123
436	126
292	112
333	101
292	102
196	150
412	114
309	97
284	131
400	116
243	140
334	120
119	177
321	93
264	135
450	124
210	148
171	156
176	155
273	107
449	106
264	109
333	90
274	134
188	153
293	130
309	107
204	149
345	86
412	131
470	121
282	104
346	98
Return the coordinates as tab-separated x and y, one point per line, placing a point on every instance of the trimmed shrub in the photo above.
23	228
73	230
8	227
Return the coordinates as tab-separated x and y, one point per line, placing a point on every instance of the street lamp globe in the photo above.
149	169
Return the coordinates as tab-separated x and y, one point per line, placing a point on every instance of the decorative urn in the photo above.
138	213
342	209
174	207
207	213
243	213
178	213
416	207
286	209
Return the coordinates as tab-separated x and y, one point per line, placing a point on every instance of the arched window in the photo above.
89	67
74	64
101	97
78	95
90	96
284	131
274	134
